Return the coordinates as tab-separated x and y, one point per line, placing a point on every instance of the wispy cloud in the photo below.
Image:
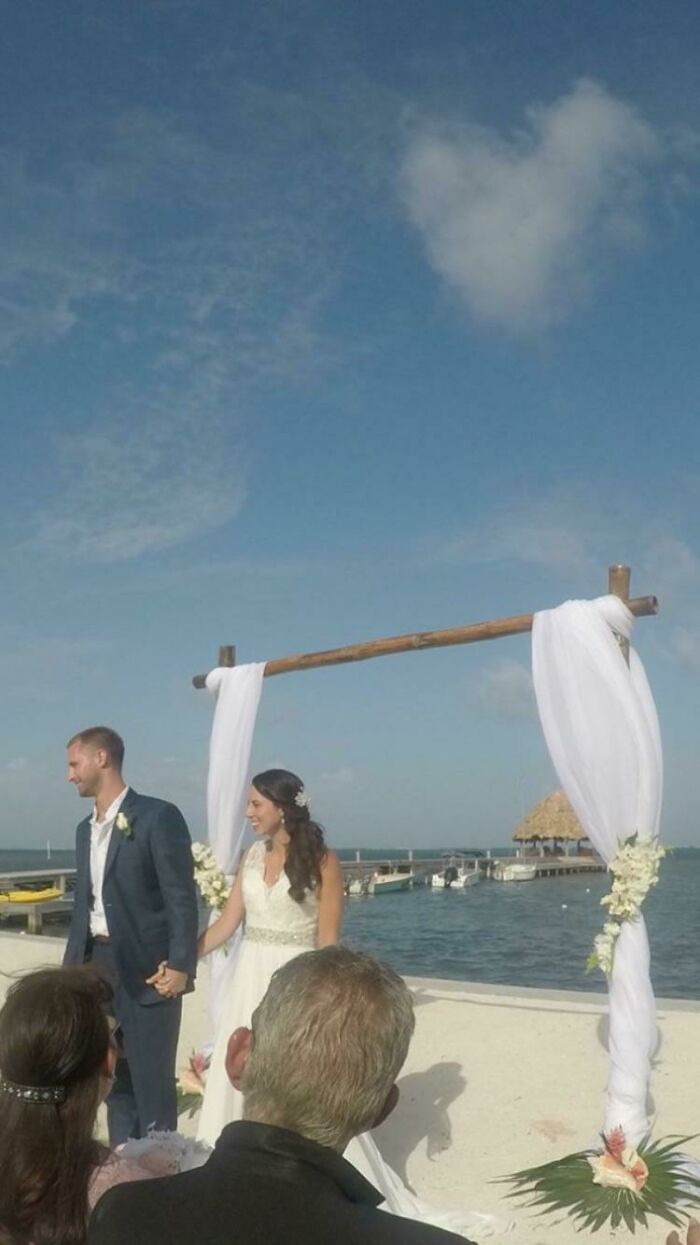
343	777
40	660
520	226
143	480
504	690
19	775
557	530
672	568
685	645
225	296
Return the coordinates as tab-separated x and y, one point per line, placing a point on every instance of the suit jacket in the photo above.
148	892
261	1186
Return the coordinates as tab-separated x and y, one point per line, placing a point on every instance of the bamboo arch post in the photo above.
495	629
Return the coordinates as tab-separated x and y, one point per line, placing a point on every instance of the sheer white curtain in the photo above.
237	690
601	728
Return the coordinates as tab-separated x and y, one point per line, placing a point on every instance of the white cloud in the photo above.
54	657
224	294
505	690
17	764
685	646
557	548
558	531
520	226
130	485
672	569
343	776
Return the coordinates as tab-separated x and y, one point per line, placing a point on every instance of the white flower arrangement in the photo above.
212	882
301	799
635	867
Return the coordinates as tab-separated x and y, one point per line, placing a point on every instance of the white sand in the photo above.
497	1079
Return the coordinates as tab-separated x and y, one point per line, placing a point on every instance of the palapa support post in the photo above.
641	607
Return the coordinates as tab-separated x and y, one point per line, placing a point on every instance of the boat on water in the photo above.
514	871
357	886
457	874
382	883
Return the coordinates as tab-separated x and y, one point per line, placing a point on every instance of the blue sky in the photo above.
320	323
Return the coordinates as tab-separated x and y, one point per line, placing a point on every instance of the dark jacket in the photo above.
261	1186
149	895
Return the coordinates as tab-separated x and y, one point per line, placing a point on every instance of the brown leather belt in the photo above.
103	940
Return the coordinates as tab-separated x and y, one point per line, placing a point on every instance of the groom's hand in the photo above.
169	982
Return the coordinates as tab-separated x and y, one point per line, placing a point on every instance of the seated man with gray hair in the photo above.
317	1068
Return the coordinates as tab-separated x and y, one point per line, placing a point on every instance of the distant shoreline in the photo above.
347	853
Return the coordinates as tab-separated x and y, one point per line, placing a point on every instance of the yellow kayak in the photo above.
50	892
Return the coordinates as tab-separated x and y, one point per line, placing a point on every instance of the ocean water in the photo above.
532	933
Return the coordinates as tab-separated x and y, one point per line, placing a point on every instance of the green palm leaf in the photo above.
566	1184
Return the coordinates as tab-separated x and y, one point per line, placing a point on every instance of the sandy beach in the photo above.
497	1079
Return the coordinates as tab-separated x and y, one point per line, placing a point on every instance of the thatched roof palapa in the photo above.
553	818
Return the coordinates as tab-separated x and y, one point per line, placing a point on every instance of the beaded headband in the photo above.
33	1093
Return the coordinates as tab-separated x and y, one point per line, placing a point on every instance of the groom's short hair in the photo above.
101	739
328	1041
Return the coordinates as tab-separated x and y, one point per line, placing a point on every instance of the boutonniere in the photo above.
124	826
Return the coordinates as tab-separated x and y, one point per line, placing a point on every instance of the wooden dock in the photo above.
35	910
553	867
421	867
361	867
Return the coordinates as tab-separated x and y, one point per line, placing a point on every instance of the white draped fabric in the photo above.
601	728
237	690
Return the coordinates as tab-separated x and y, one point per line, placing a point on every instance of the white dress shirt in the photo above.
100	834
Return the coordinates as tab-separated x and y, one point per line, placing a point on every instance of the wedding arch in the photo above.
600	725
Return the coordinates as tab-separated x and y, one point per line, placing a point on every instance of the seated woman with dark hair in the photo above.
57	1059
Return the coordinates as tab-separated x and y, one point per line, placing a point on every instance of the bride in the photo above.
289	895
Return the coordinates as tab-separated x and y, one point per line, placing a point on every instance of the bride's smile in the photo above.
266	818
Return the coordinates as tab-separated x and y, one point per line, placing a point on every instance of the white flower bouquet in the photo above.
212	882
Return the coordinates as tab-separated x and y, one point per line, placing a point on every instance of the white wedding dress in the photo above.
276	929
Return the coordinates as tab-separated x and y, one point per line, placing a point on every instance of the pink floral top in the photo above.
119	1170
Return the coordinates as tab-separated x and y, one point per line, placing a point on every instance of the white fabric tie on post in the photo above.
602	732
237	690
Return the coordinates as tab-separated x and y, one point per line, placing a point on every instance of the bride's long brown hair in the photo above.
306	850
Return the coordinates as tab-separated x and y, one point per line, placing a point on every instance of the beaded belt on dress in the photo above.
283	937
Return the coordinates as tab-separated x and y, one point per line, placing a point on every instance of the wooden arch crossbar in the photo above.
618	583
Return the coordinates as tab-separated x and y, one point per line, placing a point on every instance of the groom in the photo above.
135	915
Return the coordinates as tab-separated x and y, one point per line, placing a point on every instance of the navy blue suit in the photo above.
150	904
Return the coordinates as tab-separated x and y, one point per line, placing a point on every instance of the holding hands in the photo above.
169	982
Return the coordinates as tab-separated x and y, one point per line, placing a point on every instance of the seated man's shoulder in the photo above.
138	1204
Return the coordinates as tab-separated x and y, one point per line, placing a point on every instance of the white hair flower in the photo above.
301	799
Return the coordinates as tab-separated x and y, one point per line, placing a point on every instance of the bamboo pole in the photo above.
641	607
619	585
227	657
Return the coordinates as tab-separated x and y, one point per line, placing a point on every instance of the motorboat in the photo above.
514	871
382	883
357	886
456	875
